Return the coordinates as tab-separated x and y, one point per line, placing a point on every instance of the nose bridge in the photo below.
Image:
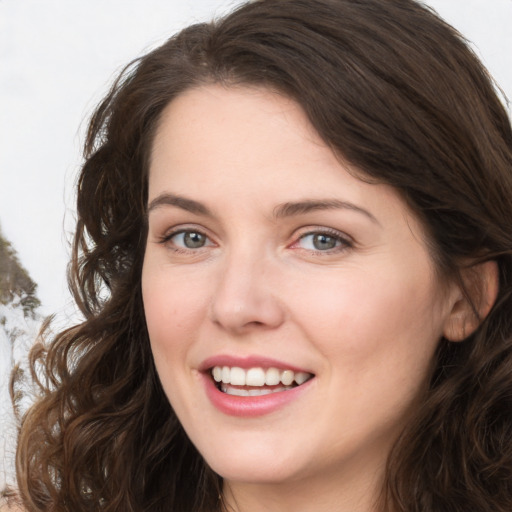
245	295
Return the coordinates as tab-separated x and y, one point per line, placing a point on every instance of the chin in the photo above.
256	474
253	464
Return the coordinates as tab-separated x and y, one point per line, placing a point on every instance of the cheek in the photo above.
377	337
370	319
174	308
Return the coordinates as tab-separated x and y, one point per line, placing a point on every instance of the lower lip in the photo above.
249	406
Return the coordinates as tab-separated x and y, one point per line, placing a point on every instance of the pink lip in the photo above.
247	362
249	406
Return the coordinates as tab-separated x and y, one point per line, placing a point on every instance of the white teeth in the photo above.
301	377
260	392
237	377
217	373
287	377
272	377
236	391
229	390
257	377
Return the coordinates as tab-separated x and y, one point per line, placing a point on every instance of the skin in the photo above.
364	316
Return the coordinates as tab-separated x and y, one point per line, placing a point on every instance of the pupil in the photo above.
323	242
194	240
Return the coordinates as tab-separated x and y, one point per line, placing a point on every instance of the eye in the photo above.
319	242
188	239
323	241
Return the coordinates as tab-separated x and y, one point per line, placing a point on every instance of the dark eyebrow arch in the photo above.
181	202
284	210
303	207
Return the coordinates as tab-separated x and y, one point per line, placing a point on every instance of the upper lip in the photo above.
252	361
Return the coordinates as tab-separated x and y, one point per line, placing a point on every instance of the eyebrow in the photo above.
303	207
189	205
288	209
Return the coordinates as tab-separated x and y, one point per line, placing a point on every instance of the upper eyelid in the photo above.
295	236
181	228
314	230
166	241
168	234
346	242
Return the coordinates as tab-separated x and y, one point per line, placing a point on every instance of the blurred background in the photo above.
58	59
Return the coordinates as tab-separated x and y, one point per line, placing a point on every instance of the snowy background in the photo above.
58	58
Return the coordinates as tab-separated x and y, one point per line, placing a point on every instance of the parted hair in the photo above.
399	95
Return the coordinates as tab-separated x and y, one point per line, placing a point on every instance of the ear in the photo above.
473	303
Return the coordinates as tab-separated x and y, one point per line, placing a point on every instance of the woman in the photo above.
293	254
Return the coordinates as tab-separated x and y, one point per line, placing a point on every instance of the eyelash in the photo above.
343	241
167	239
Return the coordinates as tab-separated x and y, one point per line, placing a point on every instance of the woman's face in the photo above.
268	262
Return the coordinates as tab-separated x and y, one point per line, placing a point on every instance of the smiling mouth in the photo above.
257	381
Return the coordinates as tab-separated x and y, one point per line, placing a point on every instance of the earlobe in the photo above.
473	304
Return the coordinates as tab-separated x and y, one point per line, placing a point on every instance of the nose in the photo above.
245	297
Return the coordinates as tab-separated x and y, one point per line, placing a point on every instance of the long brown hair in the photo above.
395	91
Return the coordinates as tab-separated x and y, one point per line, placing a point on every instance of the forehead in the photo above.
252	146
214	117
214	129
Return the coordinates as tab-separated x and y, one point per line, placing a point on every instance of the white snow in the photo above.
17	335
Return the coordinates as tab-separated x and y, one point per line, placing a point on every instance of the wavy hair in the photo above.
398	93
